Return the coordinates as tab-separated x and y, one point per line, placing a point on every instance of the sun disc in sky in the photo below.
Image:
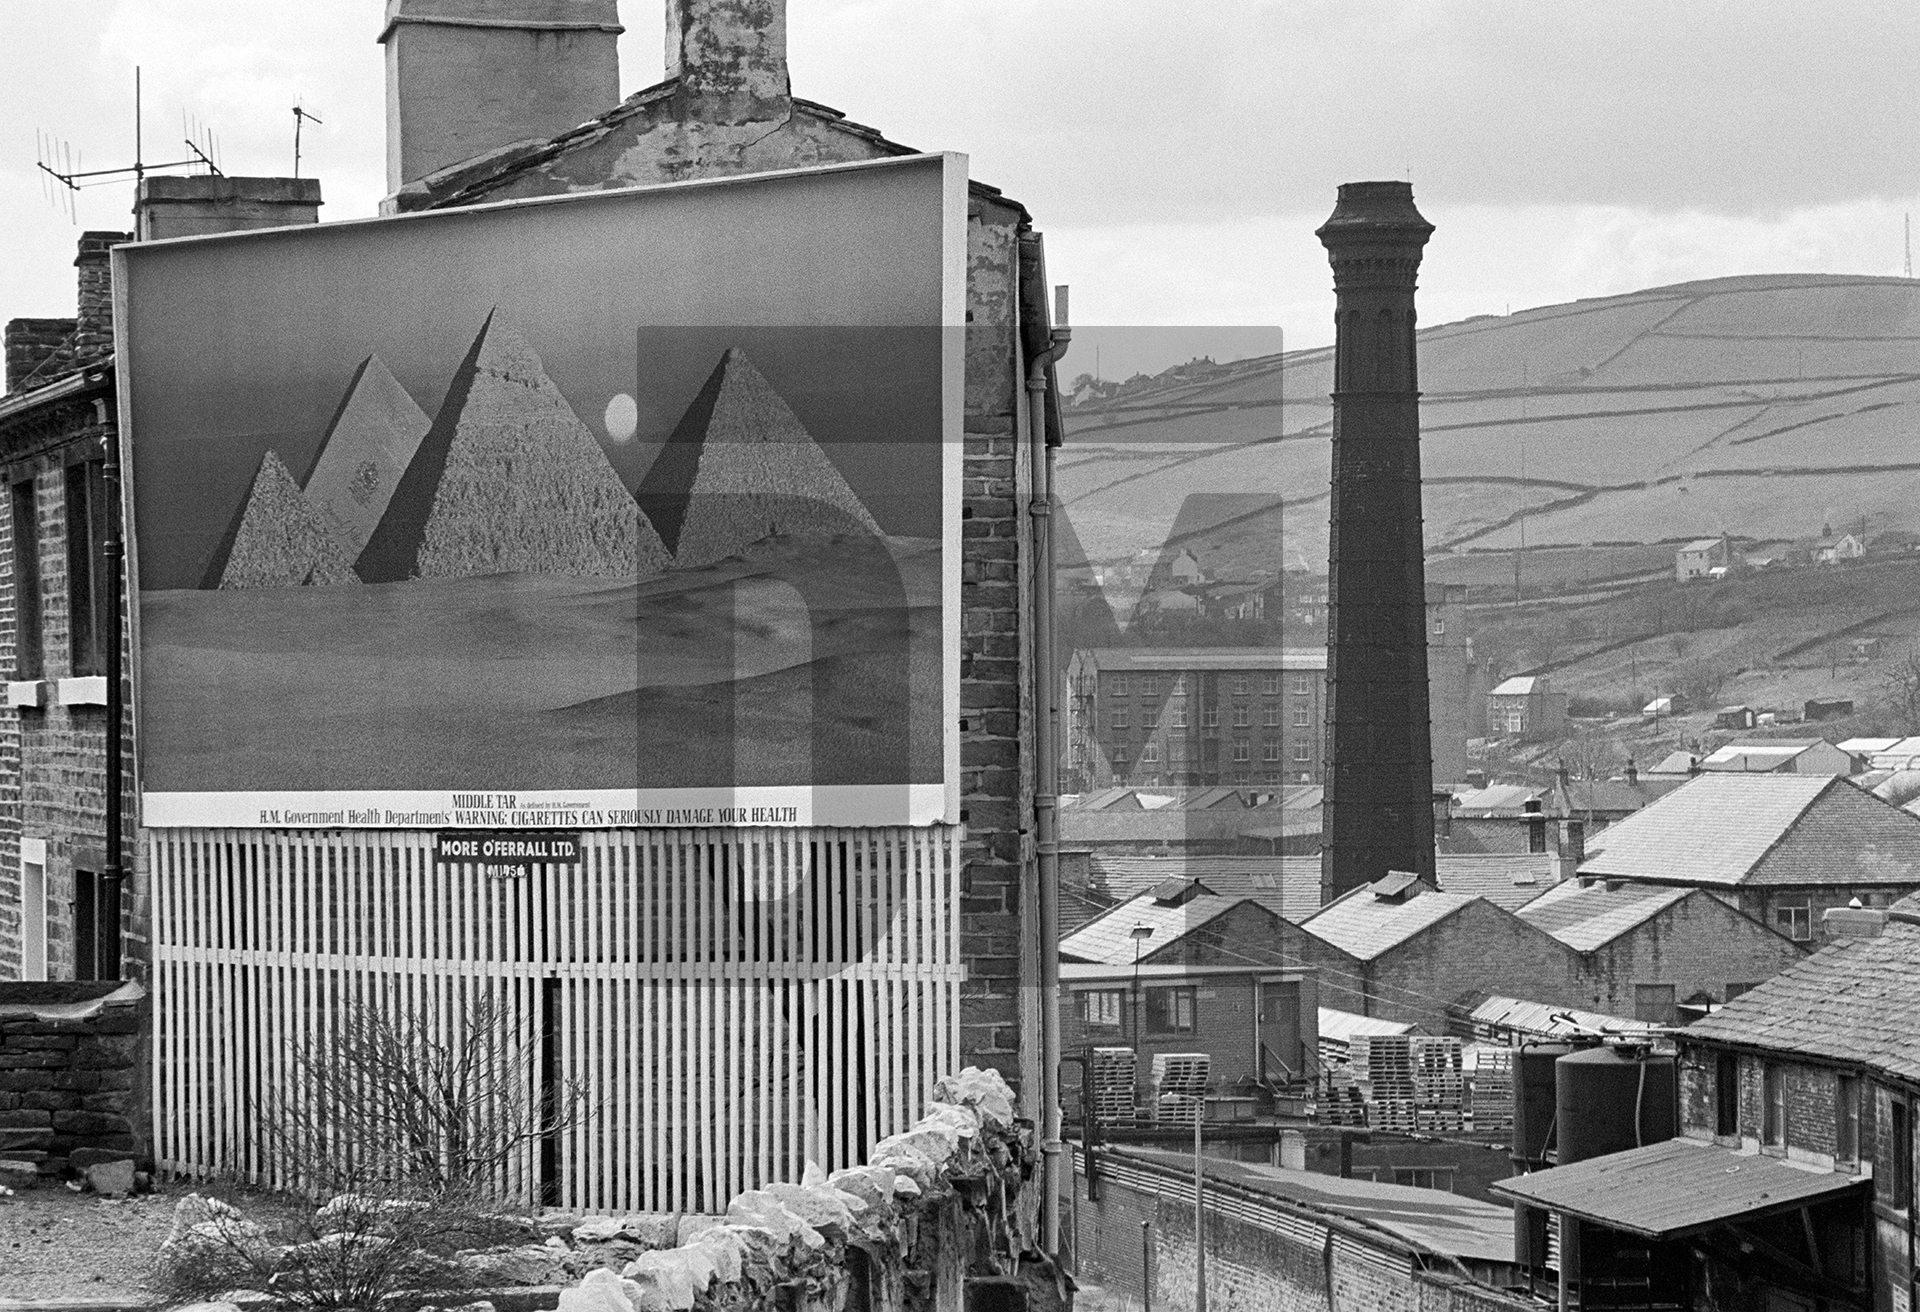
622	418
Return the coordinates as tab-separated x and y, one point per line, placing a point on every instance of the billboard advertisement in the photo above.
627	508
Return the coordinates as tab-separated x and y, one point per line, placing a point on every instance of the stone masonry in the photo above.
71	1070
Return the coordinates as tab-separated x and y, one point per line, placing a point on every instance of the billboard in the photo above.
628	508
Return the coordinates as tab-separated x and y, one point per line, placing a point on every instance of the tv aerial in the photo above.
301	116
59	163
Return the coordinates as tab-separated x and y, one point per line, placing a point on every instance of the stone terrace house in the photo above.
1417	949
1651	952
1783	848
1792	1182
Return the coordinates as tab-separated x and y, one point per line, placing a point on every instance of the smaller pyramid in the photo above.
741	466
367	447
508	480
279	539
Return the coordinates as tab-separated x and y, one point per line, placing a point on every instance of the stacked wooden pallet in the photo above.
1113	1085
1411	1082
1489	1099
1180	1086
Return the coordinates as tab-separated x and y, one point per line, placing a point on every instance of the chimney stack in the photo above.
203	205
730	58
1379	774
465	77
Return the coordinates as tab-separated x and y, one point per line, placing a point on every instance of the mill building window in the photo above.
90	612
27	661
1170	1011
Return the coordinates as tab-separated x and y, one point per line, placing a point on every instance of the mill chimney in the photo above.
465	77
1379	777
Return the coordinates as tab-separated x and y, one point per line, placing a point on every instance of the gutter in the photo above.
94	378
1041	356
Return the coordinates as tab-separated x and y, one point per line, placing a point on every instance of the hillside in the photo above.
1768	407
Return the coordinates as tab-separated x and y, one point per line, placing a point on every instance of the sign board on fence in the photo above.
506	852
634	508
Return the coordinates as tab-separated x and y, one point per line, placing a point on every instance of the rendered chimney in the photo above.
1379	776
201	206
465	77
730	58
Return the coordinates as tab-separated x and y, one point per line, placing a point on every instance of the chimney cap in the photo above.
1368	210
522	15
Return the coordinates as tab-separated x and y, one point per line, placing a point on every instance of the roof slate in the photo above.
1108	939
1506	879
1592	917
1363	926
1728	830
1853	1001
1288	886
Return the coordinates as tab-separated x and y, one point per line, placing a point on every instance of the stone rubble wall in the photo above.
70	1069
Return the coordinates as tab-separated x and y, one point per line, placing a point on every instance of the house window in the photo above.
1302	686
1846	1119
26	583
1118	720
1119	754
1773	1103
1270	716
1270	684
1209	717
1300	714
1242	751
1102	1010
89	615
1179	688
1117	686
1150	686
1177	751
1150	754
1274	777
1239	685
1301	752
1177	716
33	908
1242	717
1170	1011
96	926
1900	1145
1425	1177
1726	1094
1654	1002
1270	751
1516	721
1795	920
1149	718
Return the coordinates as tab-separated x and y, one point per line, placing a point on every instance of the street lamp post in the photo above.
1140	934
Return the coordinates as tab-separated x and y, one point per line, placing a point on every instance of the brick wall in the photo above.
93	329
1479	947
38	351
71	1073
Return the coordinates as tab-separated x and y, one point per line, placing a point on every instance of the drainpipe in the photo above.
113	548
1046	789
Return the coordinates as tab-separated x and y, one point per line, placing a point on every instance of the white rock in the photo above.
600	1291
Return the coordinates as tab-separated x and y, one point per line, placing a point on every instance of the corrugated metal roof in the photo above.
1493	1016
1853	1001
1429	1220
1592	917
1345	1026
1363	926
1677	1188
1109	939
1495	798
1764	754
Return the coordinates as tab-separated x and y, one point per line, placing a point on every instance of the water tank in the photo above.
1534	1094
1613	1098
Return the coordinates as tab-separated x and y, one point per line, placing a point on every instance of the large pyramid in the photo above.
741	466
279	539
508	480
367	448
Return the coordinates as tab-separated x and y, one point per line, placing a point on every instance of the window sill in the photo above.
27	692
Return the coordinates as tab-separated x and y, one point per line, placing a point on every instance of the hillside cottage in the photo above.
1699	558
1527	708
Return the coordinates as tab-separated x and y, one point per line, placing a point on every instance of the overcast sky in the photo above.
1177	155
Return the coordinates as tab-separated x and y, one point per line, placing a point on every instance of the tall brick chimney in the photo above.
202	205
1378	813
465	77
730	58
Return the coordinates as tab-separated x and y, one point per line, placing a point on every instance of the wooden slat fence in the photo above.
729	1003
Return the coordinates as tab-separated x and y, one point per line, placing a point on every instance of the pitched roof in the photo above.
1288	886
1363	925
1518	686
1345	1026
1764	754
1592	917
1108	939
1491	1016
1506	879
1613	796
1701	544
1674	763
1495	798
1852	1001
1726	830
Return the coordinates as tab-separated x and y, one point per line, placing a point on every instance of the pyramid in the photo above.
508	480
367	447
279	539
741	466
